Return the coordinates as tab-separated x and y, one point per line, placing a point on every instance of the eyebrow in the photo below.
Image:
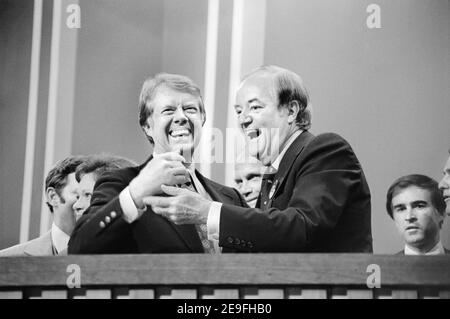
398	206
416	202
252	175
254	100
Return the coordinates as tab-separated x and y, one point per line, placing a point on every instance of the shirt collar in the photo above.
436	250
60	239
291	140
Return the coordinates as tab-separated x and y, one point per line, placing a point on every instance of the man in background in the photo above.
444	184
89	172
248	178
61	190
417	207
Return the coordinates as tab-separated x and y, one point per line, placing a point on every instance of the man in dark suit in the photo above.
316	198
417	207
172	115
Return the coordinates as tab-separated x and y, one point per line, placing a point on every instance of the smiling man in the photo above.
171	113
417	207
316	199
444	184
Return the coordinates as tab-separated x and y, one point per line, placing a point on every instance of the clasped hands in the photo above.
155	186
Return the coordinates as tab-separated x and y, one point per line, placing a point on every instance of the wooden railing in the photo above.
225	276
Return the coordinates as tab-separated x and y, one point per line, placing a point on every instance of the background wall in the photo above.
16	21
385	90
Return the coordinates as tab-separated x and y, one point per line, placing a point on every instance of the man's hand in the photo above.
181	207
164	168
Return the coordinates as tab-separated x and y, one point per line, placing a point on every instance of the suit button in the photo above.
107	219
237	241
102	225
249	245
113	214
230	240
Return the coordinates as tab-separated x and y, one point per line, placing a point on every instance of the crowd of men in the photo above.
299	193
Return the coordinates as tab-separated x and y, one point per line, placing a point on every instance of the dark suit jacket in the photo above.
321	203
151	233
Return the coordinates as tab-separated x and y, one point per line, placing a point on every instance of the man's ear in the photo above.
52	196
204	118
293	109
147	129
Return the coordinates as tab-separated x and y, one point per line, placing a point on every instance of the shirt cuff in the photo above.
130	211
213	221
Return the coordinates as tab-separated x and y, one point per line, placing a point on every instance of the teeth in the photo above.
179	133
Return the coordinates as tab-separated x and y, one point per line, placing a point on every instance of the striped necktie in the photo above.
202	231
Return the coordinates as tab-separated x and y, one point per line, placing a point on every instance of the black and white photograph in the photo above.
225	149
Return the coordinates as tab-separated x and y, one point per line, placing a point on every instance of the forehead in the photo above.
257	86
165	95
244	169
71	182
411	194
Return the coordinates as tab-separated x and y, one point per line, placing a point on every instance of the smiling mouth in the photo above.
412	228
252	133
180	133
446	197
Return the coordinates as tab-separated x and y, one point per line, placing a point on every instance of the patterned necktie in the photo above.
266	185
202	231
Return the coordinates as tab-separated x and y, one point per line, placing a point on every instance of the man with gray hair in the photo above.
315	197
171	113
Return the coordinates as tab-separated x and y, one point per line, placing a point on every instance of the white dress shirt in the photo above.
60	239
438	249
213	221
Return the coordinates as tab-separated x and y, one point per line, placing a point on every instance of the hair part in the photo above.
421	181
288	87
176	82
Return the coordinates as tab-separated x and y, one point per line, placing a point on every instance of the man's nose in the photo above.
245	189
245	119
179	116
410	215
78	206
443	184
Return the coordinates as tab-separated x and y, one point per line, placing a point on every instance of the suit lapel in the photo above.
287	162
41	246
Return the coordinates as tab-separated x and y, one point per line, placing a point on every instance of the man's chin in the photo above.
252	203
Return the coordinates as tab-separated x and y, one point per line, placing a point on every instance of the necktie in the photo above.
266	185
202	231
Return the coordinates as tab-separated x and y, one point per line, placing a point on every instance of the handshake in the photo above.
156	186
